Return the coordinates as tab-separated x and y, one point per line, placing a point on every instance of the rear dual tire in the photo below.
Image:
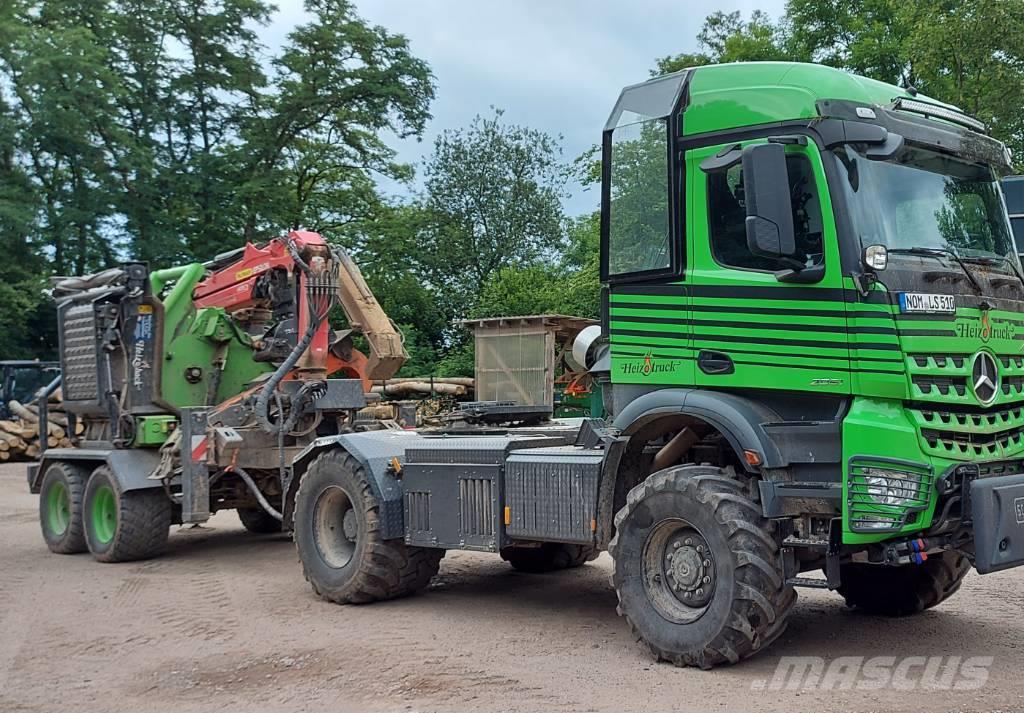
60	508
123	526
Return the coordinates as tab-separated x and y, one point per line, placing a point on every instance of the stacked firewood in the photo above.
20	436
425	386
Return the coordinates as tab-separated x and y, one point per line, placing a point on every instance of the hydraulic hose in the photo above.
263	400
316	319
247	479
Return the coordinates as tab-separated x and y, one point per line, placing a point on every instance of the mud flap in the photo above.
997	506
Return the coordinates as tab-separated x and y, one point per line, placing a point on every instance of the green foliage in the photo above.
493	201
966	52
150	129
727	37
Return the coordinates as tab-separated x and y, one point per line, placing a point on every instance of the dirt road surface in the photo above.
225	622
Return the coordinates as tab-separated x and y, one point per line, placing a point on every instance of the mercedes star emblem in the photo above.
985	377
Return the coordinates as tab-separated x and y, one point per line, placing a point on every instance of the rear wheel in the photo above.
901	591
258	521
60	508
697	569
337	533
550	556
120	526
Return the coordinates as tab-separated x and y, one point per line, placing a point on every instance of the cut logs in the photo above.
19	436
425	386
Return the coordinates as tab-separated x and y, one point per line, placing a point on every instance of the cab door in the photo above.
643	258
751	329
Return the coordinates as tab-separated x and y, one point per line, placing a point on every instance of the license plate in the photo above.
919	302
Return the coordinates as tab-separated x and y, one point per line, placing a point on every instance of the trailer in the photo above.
196	385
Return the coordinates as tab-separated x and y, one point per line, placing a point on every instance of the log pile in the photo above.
406	387
20	437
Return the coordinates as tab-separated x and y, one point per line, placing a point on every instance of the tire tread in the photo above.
762	601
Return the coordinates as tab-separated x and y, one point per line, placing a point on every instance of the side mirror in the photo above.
876	257
769	211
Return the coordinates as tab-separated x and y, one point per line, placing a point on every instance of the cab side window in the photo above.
727	215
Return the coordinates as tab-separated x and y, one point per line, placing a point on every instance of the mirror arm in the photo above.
864	282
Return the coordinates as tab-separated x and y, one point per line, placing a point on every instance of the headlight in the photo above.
891	487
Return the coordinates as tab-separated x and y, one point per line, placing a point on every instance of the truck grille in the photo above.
949	418
964	434
946	378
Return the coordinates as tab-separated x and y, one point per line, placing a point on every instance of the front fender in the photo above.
739	419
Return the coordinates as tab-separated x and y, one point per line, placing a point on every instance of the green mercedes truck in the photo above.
812	362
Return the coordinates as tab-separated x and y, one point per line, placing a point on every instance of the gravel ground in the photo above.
225	622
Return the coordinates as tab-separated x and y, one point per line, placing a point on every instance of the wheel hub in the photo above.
678	571
335	527
59	509
688	568
349	525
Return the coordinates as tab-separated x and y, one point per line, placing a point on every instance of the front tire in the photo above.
337	534
697	569
60	508
124	526
905	590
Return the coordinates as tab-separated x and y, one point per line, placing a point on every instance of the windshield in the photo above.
924	199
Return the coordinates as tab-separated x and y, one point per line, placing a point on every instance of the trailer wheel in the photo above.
120	526
60	508
337	534
549	557
258	521
697	569
904	590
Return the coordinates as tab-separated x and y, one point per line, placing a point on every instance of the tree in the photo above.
314	141
969	53
727	37
493	198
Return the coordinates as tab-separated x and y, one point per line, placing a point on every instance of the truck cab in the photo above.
811	359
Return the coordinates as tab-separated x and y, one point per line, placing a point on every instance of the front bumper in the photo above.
997	514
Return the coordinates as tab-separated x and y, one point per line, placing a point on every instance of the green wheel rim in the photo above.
58	509
104	514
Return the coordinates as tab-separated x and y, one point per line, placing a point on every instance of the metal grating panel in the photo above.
476	507
417	512
551	493
80	359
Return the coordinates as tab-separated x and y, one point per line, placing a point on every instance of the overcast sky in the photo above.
555	65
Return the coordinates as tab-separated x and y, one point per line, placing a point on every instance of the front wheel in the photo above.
337	534
905	590
124	526
697	569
